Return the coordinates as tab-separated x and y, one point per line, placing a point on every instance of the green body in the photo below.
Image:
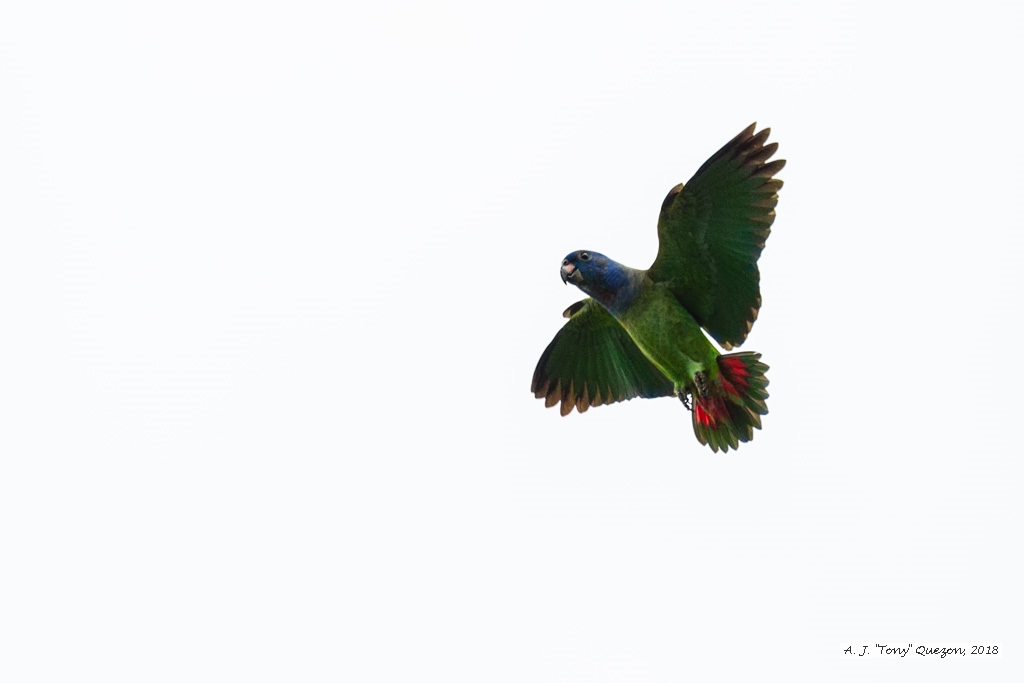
668	335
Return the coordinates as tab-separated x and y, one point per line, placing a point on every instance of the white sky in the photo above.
275	277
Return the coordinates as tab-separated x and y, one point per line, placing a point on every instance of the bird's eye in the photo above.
584	256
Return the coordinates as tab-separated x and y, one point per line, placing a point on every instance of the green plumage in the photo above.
593	361
640	333
711	232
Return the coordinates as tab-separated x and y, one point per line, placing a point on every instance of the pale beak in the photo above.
568	270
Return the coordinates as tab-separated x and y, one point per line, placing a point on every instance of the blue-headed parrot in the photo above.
639	332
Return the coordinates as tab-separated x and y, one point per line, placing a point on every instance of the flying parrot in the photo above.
639	331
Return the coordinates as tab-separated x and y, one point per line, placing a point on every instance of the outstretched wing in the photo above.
593	361
711	232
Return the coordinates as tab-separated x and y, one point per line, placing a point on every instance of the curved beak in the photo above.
568	270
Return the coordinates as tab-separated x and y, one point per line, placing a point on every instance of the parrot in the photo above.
640	333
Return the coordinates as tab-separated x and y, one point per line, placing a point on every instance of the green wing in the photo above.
593	361
711	232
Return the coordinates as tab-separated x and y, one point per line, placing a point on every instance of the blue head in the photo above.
612	284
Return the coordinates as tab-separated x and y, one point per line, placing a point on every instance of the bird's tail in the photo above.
732	405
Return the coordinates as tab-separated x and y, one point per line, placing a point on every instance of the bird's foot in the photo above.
684	396
701	380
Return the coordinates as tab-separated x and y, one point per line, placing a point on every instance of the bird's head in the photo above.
584	268
611	283
594	273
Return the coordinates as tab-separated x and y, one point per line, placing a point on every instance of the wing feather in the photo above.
712	230
592	361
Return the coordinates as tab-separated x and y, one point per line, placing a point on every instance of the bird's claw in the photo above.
701	380
684	396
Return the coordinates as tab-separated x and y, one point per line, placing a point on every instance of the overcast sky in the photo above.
275	277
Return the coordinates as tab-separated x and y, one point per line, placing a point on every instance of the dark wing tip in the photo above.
765	170
568	400
540	385
740	147
574	309
671	197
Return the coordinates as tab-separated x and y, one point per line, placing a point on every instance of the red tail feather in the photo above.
734	403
